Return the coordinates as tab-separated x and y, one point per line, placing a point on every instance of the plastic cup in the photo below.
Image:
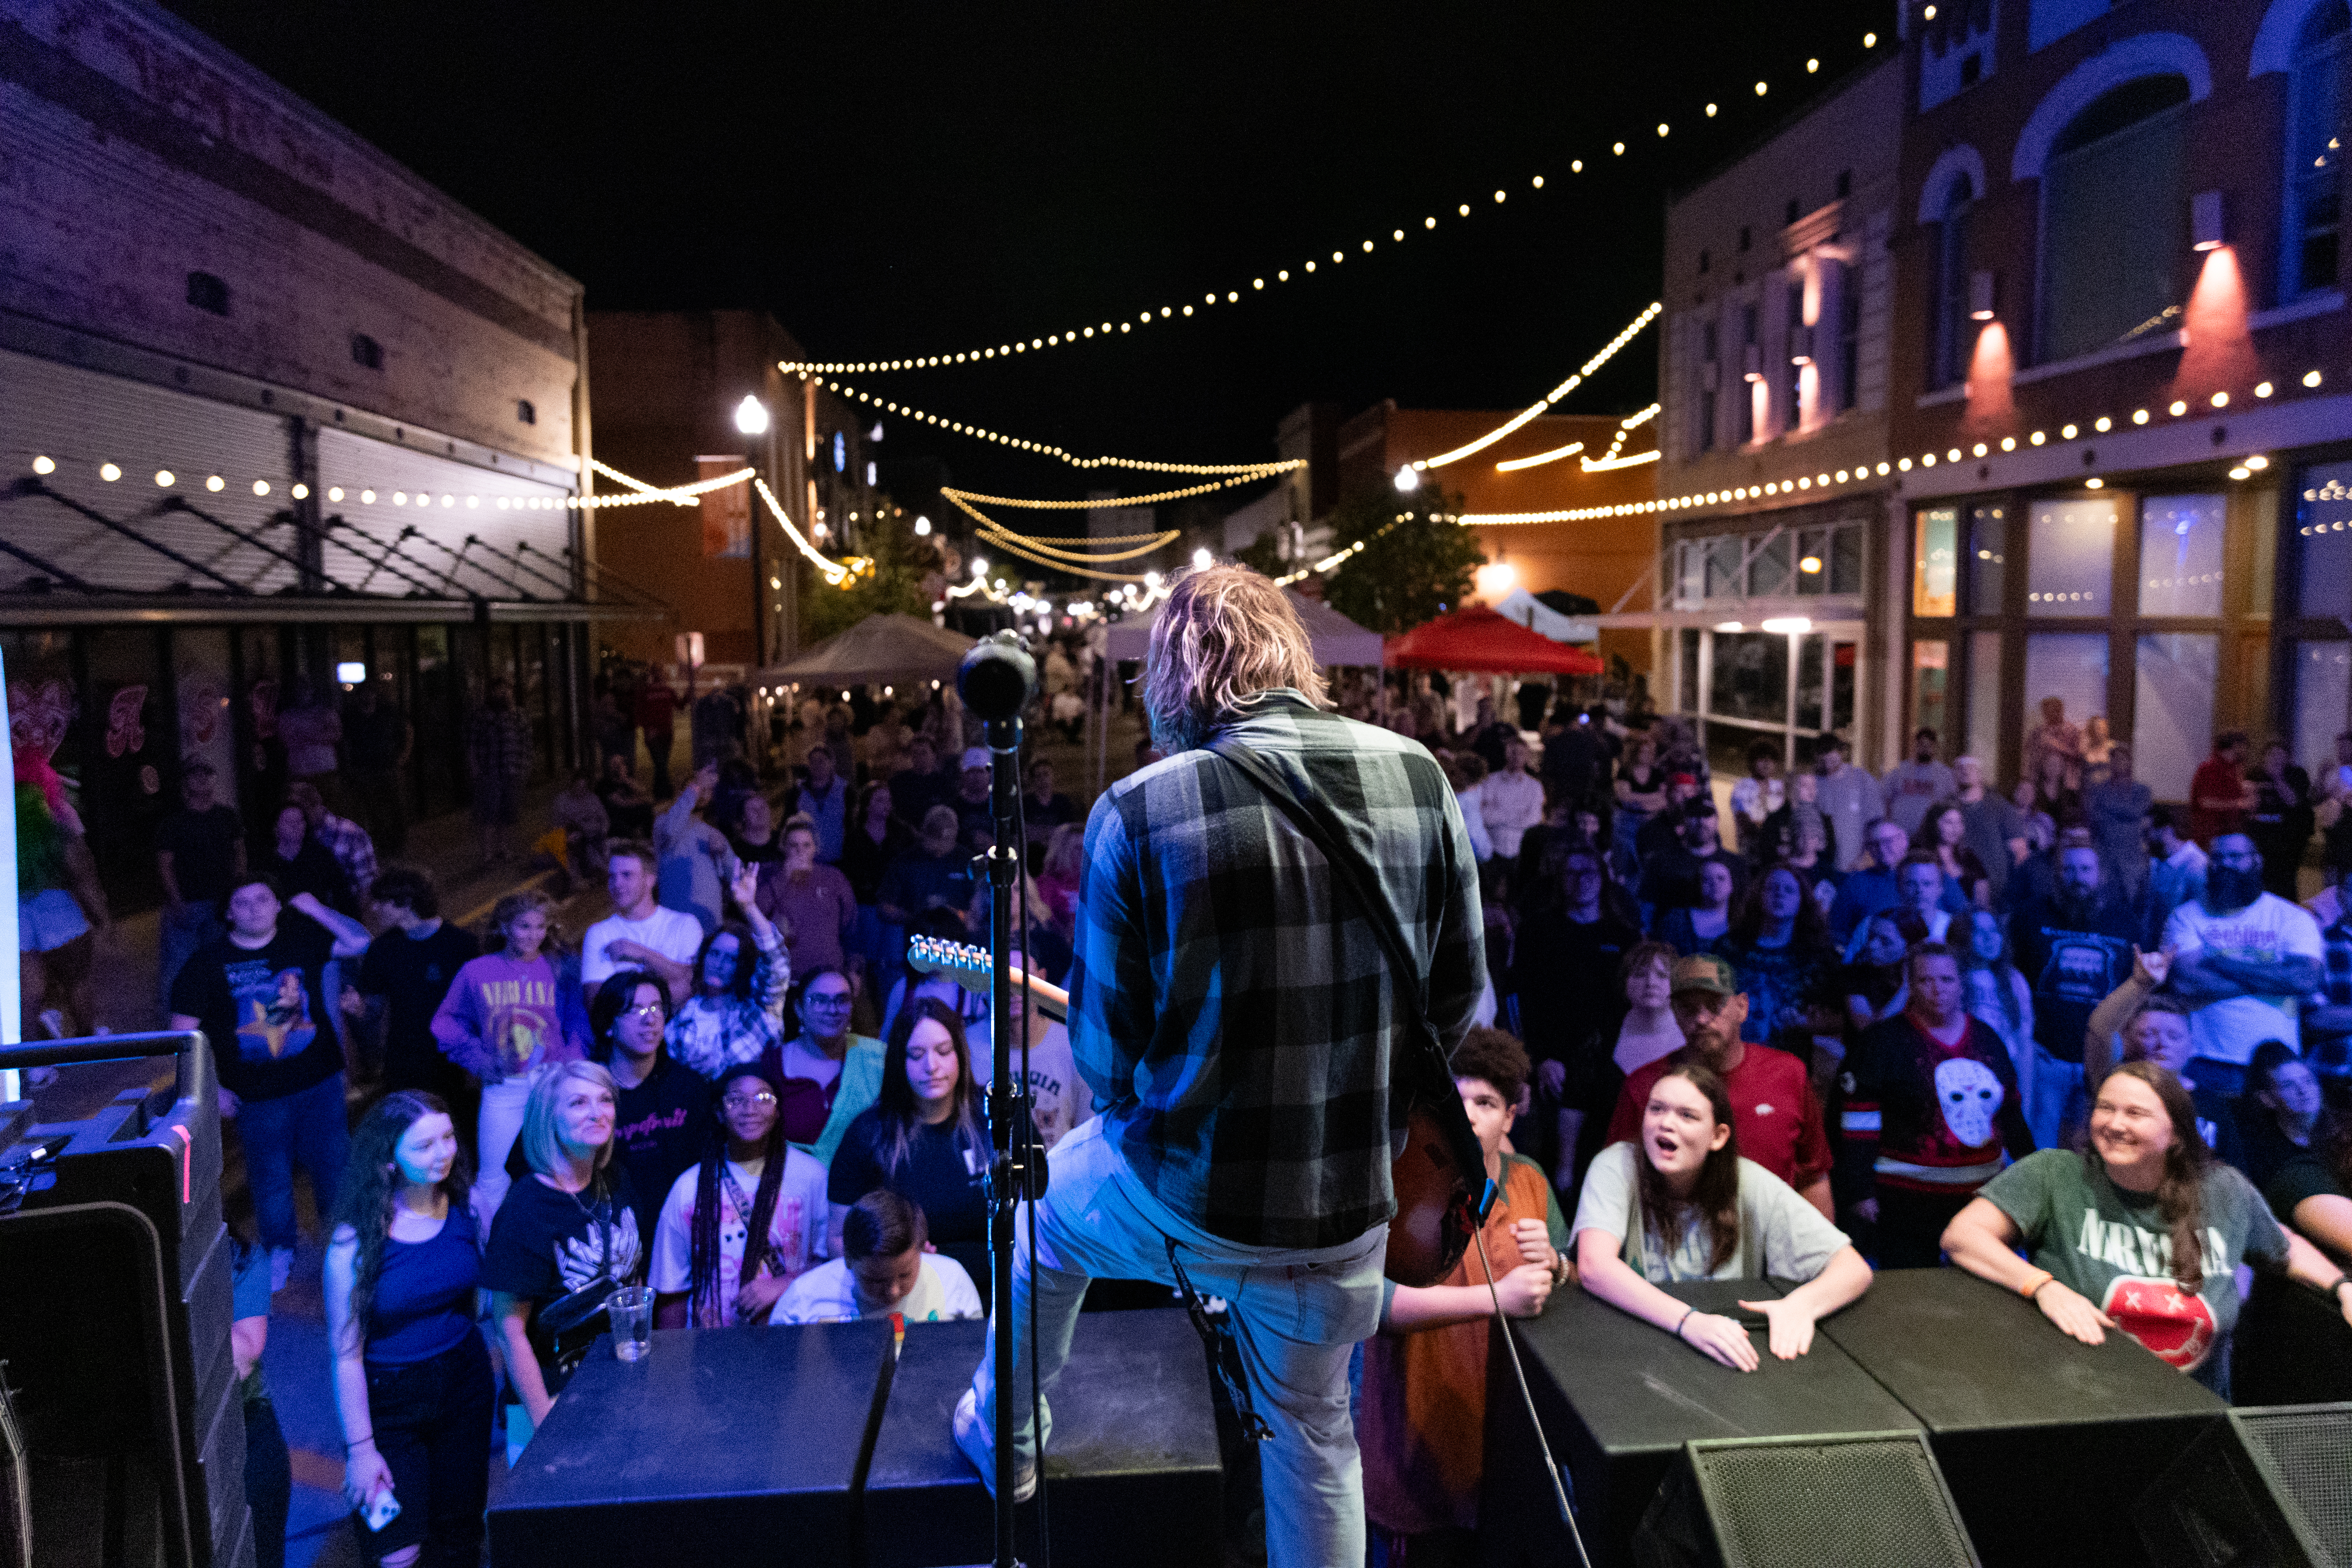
632	1310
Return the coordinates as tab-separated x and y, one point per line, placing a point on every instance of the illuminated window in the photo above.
1935	559
2070	558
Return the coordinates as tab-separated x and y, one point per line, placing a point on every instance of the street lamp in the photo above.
1201	559
1408	480
752	416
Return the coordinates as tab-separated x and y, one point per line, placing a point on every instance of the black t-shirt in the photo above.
2072	966
202	846
312	870
1564	973
372	741
945	1174
662	1127
2304	1176
545	1243
412	974
264	1009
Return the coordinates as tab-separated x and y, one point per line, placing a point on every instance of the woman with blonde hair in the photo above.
507	1017
565	1238
1058	881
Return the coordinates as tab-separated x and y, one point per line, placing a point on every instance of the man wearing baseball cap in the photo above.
1772	1104
974	815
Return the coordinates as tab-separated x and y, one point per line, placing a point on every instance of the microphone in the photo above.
996	678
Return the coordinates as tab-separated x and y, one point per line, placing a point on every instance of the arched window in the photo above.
2115	220
1950	339
2314	192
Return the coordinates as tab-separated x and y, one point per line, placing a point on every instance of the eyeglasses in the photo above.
827	999
651	1011
748	1102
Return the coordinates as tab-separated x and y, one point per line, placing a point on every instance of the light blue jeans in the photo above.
1297	1316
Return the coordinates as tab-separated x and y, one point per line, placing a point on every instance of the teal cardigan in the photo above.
861	1086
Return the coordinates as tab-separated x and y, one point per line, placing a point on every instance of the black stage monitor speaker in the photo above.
2261	1489
114	1316
1870	1500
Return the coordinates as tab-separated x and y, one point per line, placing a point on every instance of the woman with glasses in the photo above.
661	1104
707	1273
735	1014
825	1076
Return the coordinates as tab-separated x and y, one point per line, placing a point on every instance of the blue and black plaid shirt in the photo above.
1235	1023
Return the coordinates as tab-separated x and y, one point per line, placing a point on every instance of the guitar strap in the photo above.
1424	1070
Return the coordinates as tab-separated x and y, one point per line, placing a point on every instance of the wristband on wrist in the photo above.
2336	1288
1687	1317
2032	1286
365	1442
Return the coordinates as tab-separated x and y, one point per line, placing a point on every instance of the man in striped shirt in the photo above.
1235	1018
1927	1106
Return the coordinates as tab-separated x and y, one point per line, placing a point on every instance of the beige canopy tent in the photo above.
879	649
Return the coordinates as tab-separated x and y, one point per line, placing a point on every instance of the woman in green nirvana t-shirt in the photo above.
2141	1232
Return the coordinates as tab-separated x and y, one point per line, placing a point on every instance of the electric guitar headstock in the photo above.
969	967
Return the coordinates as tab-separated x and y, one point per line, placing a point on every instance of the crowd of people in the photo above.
1853	1021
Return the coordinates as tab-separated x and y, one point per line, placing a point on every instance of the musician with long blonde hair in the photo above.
1233	1016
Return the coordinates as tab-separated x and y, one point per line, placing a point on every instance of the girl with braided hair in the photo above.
708	1271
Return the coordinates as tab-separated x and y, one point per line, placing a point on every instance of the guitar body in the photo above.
1437	1209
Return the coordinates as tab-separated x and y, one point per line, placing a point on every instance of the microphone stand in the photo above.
994	680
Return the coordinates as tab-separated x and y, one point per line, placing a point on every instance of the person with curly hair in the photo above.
507	1017
2143	1231
412	1377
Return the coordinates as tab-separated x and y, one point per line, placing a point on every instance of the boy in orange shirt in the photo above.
1422	1422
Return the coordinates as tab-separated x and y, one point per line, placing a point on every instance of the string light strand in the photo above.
1608	352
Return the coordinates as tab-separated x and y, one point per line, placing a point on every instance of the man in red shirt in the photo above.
1927	1106
1772	1105
2219	796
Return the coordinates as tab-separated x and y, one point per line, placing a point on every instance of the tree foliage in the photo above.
1414	567
894	586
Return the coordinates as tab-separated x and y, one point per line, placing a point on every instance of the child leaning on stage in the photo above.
885	1267
1681	1204
1422	1426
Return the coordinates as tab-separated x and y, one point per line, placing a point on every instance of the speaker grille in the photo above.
1873	1504
2312	1451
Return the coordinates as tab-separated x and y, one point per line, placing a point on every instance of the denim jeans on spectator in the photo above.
307	1127
495	1132
432	1425
2057	1101
1297	1315
269	1482
180	936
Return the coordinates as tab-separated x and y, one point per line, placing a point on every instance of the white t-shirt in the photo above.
827	1294
1781	1235
677	937
797	1231
1058	1099
2265	931
1511	804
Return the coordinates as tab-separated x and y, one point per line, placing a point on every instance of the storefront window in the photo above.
2069	666
1690	572
1931	664
1825	683
1935	551
1813	560
438	713
1845	559
2070	558
2324	539
2172	710
1769	568
1984	699
1988	558
1726	562
2181	555
1750	677
2322	702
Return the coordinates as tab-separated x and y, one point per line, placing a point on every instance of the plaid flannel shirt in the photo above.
354	850
1234	1022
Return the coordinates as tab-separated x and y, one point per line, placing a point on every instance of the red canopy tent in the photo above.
1475	638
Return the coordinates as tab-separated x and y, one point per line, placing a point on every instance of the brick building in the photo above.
2117	381
274	411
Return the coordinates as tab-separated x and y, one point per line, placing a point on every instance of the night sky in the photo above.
895	181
